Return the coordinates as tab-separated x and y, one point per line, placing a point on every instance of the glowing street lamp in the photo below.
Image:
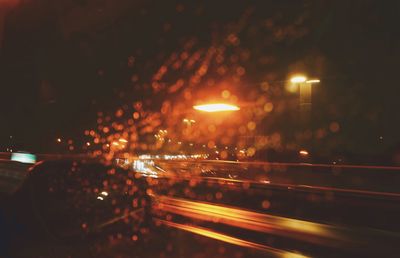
298	79
216	107
305	101
302	78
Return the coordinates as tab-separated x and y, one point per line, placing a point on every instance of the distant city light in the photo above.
104	193
303	153
58	139
123	140
188	121
216	107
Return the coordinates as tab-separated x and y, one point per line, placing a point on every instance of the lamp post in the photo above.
305	102
305	95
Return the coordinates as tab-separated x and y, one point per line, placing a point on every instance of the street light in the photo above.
305	88
305	102
216	107
302	78
298	79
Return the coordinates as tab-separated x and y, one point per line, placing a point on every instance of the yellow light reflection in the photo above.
216	107
251	220
232	240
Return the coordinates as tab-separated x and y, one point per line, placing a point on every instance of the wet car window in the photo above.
199	128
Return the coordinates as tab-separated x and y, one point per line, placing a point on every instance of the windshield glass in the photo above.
256	109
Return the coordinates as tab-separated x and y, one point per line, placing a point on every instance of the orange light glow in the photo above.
123	140
216	107
59	140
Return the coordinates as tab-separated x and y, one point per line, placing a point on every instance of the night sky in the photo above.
63	61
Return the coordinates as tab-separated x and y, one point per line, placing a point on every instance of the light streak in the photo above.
293	228
232	240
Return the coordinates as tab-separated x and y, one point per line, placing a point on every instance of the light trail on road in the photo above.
232	240
314	233
233	216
